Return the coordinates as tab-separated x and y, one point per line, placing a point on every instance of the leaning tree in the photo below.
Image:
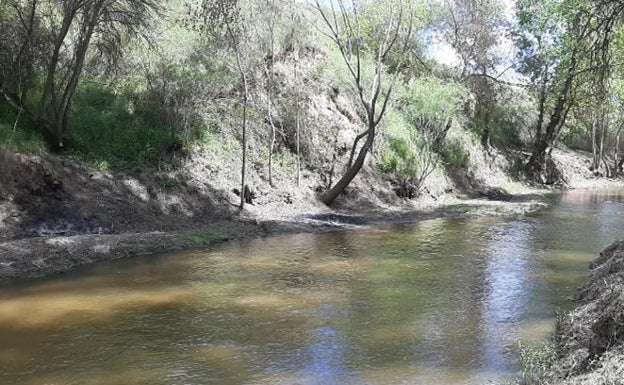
344	24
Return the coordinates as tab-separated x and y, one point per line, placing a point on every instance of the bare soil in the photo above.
56	214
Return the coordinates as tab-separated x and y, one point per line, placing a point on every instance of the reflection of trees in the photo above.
437	294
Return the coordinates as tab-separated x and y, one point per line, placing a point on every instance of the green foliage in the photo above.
431	101
429	106
400	159
506	124
375	17
109	129
45	46
21	137
417	129
201	238
406	159
405	166
454	155
576	137
535	361
505	132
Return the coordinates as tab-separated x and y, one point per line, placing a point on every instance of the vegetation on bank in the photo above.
135	83
588	344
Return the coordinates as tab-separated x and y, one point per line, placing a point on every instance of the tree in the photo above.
560	42
272	10
229	21
344	27
52	39
474	29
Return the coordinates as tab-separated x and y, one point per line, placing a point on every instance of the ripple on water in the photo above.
442	301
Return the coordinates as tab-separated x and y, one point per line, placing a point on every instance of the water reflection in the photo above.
508	287
441	301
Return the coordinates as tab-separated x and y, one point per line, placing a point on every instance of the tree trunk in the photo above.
603	136
58	113
298	131
244	162
76	71
272	139
269	97
487	132
616	152
330	196
594	148
543	140
48	97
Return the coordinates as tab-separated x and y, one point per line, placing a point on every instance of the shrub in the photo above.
575	136
407	165
454	156
511	119
429	103
423	114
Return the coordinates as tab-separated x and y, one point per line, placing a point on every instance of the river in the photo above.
443	301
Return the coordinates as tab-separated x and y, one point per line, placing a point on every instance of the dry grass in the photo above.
590	339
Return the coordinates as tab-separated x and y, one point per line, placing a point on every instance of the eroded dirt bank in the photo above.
590	339
56	214
37	256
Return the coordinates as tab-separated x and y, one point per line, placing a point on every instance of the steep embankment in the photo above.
56	213
590	339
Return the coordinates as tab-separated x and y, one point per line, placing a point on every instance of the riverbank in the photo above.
589	341
37	256
56	214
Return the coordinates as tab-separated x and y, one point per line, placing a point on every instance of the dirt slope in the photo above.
590	339
56	213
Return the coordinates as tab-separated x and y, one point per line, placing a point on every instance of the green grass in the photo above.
20	137
106	132
549	196
535	361
20	140
464	208
454	156
201	238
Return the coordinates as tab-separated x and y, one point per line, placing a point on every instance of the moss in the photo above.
549	196
464	208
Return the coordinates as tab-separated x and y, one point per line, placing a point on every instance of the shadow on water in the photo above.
442	301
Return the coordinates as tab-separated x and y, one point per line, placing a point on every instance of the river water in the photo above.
444	301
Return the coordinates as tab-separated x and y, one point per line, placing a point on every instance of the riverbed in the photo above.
444	301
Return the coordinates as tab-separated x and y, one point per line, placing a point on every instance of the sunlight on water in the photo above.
47	310
443	301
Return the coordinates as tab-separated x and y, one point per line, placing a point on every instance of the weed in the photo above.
464	208
550	196
536	361
17	134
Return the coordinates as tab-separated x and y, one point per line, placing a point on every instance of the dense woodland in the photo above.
127	83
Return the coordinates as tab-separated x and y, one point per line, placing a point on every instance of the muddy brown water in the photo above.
444	301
